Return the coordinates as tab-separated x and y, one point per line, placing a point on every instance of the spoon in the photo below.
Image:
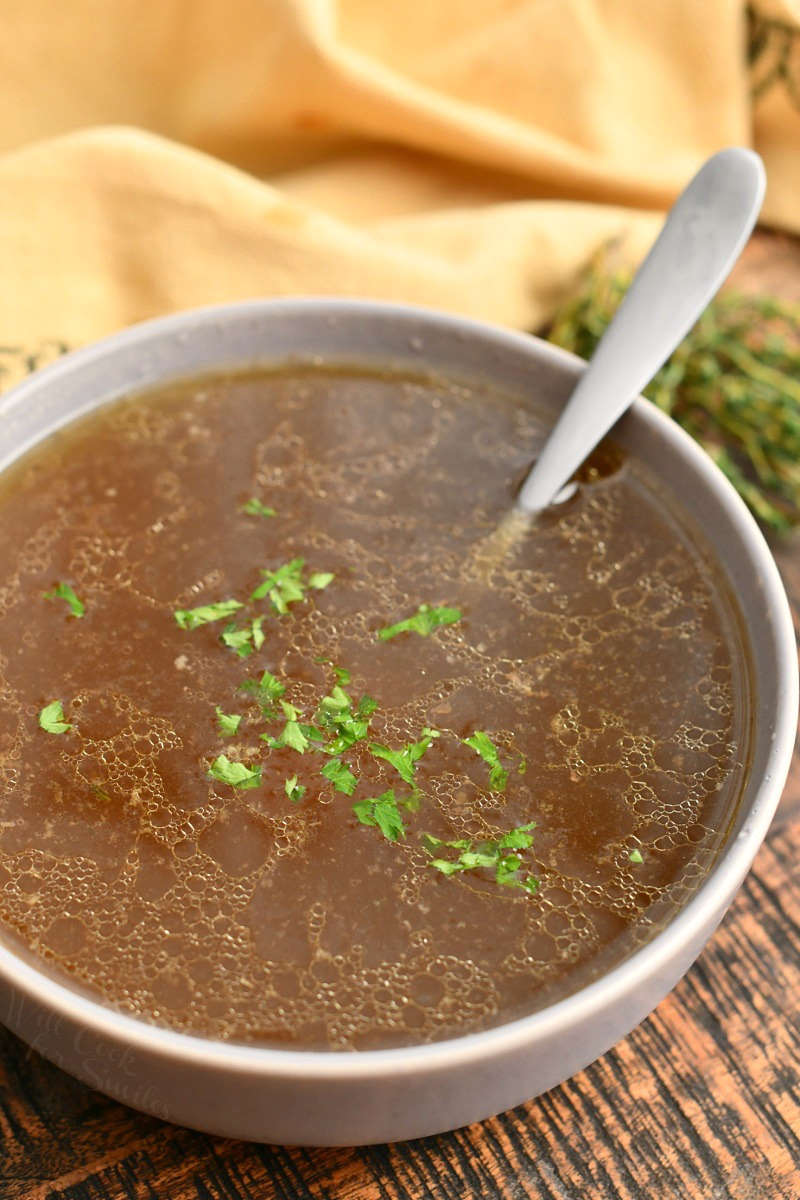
703	235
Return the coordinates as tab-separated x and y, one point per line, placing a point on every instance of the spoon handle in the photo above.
702	237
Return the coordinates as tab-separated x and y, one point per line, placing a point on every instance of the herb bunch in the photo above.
733	383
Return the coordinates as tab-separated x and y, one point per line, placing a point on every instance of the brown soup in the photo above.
387	836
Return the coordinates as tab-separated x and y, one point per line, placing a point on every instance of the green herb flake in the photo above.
237	774
446	868
343	727
423	622
292	736
396	759
338	701
507	870
313	733
254	508
347	731
237	640
498	778
63	591
383	812
405	759
491	854
265	691
284	586
244	641
51	718
294	790
520	838
340	776
227	723
190	618
483	745
432	843
635	856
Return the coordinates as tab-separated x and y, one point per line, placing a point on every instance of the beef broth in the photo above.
598	653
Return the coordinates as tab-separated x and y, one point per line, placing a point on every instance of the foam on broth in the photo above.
602	648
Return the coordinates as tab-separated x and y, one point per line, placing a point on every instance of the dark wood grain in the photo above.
700	1102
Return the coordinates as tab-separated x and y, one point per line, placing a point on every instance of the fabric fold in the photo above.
471	156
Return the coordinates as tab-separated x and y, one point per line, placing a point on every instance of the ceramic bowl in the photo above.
346	1098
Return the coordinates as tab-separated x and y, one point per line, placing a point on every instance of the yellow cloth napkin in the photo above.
466	154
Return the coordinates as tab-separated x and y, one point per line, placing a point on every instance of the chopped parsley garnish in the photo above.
496	854
227	723
294	790
483	745
336	702
292	736
244	641
338	724
237	640
635	856
404	760
265	690
258	636
340	776
424	621
237	774
51	718
254	508
383	812
63	591
190	618
319	580
313	733
349	731
285	585
344	727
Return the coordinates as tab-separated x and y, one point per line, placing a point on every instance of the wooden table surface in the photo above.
701	1101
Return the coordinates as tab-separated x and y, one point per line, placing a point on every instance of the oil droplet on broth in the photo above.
598	645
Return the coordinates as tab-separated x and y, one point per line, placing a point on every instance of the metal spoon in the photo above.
703	235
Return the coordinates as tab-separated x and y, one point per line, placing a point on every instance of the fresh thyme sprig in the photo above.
733	384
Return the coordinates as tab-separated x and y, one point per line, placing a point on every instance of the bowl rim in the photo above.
461	1050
